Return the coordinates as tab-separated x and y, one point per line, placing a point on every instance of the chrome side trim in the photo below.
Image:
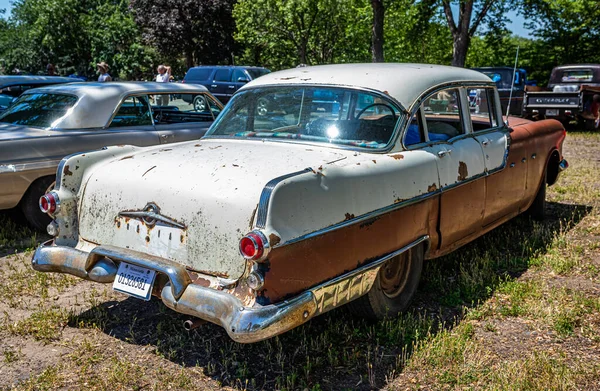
265	196
19	167
361	218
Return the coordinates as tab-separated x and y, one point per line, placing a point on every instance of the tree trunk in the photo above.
377	32
459	50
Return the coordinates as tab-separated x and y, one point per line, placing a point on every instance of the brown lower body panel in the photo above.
298	266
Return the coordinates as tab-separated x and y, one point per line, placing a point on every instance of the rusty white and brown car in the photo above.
46	124
334	195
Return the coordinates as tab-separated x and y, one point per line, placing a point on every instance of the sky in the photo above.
515	24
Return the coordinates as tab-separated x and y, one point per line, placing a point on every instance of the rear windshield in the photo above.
257	72
326	115
577	76
39	110
198	74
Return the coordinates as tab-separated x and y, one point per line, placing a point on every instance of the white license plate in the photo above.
134	280
552	112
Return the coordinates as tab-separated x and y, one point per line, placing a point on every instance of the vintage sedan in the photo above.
276	217
46	124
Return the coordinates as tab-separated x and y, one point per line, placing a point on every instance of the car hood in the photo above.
206	193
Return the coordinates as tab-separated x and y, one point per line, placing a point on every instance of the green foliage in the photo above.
74	35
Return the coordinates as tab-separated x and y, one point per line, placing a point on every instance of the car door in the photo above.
504	186
221	83
184	118
460	163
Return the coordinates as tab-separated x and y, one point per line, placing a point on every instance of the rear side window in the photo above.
482	108
222	75
238	73
198	74
134	111
39	110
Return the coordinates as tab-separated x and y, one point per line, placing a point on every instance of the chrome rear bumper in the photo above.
242	323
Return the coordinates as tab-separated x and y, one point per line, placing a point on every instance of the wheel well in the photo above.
37	180
552	168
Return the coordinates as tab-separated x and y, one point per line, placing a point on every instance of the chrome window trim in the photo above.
118	106
417	104
35	165
400	122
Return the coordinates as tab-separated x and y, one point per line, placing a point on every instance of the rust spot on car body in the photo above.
148	170
66	170
463	172
397	156
349	216
374	161
431	188
126	157
274	240
218	146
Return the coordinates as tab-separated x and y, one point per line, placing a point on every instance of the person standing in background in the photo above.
104	75
164	74
50	69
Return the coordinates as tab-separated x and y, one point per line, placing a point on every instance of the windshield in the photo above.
317	114
39	110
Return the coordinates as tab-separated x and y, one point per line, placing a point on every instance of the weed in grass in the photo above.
51	378
11	355
45	325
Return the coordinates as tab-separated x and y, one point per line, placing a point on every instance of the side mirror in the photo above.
242	80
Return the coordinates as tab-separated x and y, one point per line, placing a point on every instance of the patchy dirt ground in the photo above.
519	309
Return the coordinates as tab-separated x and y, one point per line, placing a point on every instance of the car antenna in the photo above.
512	86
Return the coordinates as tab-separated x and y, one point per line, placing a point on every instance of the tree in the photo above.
74	35
200	30
377	34
471	14
285	33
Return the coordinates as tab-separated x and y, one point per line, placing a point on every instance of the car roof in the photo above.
403	82
11	80
97	101
228	66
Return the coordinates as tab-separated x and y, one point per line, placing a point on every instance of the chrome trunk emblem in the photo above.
151	215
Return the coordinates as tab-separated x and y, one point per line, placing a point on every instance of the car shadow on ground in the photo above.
15	234
336	350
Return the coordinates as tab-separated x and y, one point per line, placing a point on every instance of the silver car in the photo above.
45	124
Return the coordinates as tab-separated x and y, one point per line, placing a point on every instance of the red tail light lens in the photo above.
49	202
254	246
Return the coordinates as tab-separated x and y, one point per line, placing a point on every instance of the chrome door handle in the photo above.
533	156
164	136
512	165
444	153
485	143
523	160
230	86
213	86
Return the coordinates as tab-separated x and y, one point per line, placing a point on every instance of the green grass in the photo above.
477	322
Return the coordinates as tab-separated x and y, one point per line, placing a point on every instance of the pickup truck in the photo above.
568	97
503	77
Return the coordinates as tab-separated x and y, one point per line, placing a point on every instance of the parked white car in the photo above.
335	194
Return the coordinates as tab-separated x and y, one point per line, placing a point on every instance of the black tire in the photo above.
537	210
30	203
393	288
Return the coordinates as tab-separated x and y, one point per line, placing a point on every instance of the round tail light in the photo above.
254	246
49	202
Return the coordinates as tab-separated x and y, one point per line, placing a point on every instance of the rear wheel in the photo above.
393	288
30	203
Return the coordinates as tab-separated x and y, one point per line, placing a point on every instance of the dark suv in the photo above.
223	80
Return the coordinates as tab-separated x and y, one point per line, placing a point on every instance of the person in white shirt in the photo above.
164	75
103	69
